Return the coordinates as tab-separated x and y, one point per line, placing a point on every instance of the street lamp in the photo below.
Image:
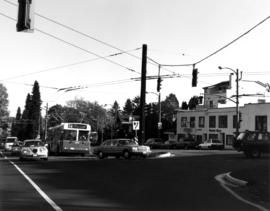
236	72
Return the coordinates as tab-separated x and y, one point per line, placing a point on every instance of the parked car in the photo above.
33	149
121	147
253	143
16	148
187	143
211	144
170	144
154	143
9	142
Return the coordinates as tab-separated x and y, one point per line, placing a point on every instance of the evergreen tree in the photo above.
128	108
35	109
184	105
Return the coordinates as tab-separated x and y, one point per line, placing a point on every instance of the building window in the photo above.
201	121
183	121
211	104
223	121
192	121
212	121
261	123
229	140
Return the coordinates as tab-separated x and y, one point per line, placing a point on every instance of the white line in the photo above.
41	192
220	179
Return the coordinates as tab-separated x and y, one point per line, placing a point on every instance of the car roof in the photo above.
31	140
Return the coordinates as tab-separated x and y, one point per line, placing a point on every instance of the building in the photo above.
210	122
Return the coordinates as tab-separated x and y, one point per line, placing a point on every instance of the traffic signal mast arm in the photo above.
265	85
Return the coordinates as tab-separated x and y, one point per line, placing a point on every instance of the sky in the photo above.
76	43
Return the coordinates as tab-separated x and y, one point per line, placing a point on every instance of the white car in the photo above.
211	144
9	142
33	149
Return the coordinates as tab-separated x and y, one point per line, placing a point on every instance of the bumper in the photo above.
33	157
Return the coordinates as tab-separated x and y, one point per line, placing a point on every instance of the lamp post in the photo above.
236	72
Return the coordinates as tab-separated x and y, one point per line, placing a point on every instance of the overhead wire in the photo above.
76	46
64	66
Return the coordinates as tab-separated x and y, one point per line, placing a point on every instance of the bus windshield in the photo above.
69	135
83	135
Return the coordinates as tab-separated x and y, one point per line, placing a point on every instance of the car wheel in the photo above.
126	154
100	155
255	153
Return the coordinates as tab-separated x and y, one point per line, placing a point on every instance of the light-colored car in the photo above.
121	147
211	144
9	142
33	149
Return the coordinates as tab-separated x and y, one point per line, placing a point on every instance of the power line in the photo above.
220	49
64	66
76	46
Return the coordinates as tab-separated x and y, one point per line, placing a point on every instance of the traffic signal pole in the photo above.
143	92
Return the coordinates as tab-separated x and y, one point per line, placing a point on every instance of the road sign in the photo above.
136	125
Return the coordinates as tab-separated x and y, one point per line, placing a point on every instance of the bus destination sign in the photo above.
77	126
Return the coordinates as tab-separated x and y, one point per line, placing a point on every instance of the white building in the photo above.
220	123
210	122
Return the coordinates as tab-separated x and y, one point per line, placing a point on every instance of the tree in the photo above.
169	106
16	128
193	102
128	108
3	102
35	109
184	105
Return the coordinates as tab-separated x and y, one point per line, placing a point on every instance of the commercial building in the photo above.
210	122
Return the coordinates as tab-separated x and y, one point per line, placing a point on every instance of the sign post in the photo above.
136	126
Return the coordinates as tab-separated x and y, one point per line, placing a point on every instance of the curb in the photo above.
234	180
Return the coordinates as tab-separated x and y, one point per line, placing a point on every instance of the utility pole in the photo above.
159	107
237	102
236	72
46	122
143	91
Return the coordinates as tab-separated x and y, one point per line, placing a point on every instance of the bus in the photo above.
69	138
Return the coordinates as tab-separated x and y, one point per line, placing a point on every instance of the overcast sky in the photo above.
175	31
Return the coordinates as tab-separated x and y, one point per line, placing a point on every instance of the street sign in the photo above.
136	125
159	125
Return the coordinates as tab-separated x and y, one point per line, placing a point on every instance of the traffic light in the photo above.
146	110
25	21
159	84
194	77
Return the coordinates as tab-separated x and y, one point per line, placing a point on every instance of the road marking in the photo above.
38	189
223	183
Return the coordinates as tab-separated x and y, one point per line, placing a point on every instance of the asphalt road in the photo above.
183	182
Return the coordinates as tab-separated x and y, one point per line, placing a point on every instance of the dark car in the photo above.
16	148
154	143
253	143
121	147
187	143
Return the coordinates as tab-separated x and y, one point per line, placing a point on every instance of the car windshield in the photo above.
216	141
33	144
11	140
241	136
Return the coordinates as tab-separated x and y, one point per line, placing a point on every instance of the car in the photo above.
187	143
170	144
211	144
154	143
253	143
33	149
16	148
121	147
9	142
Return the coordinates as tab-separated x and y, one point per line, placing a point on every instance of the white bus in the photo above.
69	138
